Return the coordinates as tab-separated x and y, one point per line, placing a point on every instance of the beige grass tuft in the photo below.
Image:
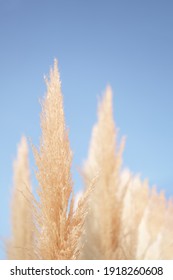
59	228
103	222
134	203
20	247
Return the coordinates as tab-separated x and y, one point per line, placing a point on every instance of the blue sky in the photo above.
127	44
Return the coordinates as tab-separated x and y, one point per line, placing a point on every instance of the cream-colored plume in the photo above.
134	204
20	247
59	229
103	221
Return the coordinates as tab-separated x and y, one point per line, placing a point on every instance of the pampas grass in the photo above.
20	247
105	159
121	218
59	229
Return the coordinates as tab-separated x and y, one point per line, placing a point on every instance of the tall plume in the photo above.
20	247
103	222
58	227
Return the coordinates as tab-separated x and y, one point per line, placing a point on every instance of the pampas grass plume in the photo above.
20	247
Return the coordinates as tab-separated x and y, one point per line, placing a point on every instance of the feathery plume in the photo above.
103	220
157	223
59	228
21	244
134	204
155	218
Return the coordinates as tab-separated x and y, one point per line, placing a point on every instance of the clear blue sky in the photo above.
128	44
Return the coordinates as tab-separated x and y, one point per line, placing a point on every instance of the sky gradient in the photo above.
127	44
